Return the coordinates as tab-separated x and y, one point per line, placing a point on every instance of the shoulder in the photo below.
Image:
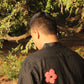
33	58
33	61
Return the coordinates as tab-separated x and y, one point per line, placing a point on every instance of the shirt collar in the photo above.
46	45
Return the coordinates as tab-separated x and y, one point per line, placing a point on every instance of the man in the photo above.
52	63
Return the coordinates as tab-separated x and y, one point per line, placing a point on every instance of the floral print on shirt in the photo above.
50	76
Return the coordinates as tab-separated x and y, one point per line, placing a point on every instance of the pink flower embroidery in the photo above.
50	76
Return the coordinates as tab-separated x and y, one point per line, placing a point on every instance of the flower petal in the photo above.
54	76
52	80
47	74
47	79
51	71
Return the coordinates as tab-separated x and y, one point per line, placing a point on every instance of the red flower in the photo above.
50	76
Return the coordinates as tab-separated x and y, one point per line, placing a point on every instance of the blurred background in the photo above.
15	40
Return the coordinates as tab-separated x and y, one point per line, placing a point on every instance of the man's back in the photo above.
53	64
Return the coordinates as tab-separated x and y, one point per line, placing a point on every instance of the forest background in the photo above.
15	40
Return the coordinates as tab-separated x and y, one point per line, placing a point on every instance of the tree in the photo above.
15	16
69	15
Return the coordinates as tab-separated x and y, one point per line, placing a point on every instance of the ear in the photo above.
37	34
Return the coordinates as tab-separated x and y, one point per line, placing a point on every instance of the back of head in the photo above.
43	22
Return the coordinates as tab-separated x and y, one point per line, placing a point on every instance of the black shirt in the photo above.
53	64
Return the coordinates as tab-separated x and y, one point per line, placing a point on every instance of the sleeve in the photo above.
28	74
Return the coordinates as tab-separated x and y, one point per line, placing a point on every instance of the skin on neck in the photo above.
40	39
48	39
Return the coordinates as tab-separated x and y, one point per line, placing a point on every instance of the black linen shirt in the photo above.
53	64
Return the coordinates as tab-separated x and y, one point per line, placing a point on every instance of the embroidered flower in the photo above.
50	76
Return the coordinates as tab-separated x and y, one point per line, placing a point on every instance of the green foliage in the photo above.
15	15
28	47
67	9
70	4
13	18
20	50
82	14
1	43
11	66
1	56
17	50
48	6
79	50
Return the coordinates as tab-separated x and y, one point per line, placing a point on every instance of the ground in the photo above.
74	43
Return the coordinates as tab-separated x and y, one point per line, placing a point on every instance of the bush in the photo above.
11	66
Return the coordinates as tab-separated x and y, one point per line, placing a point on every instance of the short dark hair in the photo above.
45	20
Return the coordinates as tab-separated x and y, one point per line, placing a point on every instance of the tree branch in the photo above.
69	30
73	18
16	38
60	28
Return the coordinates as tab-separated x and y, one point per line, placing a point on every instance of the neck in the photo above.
48	39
